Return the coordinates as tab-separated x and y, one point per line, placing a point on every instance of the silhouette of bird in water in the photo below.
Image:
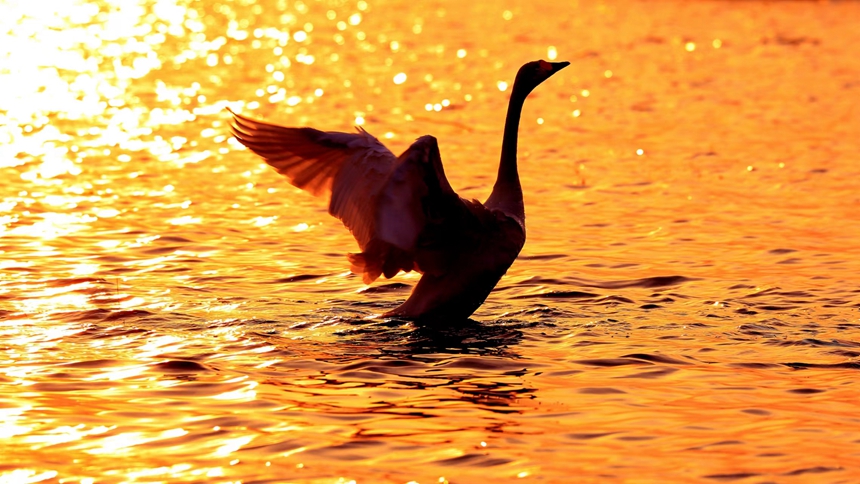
402	210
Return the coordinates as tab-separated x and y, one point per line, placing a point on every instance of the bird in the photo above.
403	212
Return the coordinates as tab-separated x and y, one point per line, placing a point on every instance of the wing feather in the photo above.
353	167
308	157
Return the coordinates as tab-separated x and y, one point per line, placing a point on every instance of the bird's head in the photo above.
533	73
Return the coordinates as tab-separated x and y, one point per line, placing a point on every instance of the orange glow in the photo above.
684	309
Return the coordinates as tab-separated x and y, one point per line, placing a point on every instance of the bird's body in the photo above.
402	210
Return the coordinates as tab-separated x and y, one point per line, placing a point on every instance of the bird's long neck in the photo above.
507	193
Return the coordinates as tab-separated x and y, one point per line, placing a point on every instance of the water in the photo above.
173	311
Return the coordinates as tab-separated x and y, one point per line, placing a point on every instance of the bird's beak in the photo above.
557	66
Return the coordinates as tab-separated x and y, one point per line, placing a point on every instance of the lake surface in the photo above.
686	307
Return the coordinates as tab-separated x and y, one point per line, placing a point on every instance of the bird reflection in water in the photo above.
402	210
392	336
477	360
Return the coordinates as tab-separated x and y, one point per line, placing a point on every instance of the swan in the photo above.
402	210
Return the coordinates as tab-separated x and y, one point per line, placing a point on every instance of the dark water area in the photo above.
686	307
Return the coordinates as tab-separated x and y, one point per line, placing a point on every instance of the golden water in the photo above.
685	308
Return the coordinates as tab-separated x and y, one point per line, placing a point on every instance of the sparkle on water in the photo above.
685	309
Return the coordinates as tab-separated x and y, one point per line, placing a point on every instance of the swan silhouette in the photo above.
402	210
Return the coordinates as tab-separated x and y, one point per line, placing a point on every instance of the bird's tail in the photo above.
380	258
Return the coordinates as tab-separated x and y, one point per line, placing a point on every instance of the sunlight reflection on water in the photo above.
686	305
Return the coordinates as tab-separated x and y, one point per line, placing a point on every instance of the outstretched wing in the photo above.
402	211
353	167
